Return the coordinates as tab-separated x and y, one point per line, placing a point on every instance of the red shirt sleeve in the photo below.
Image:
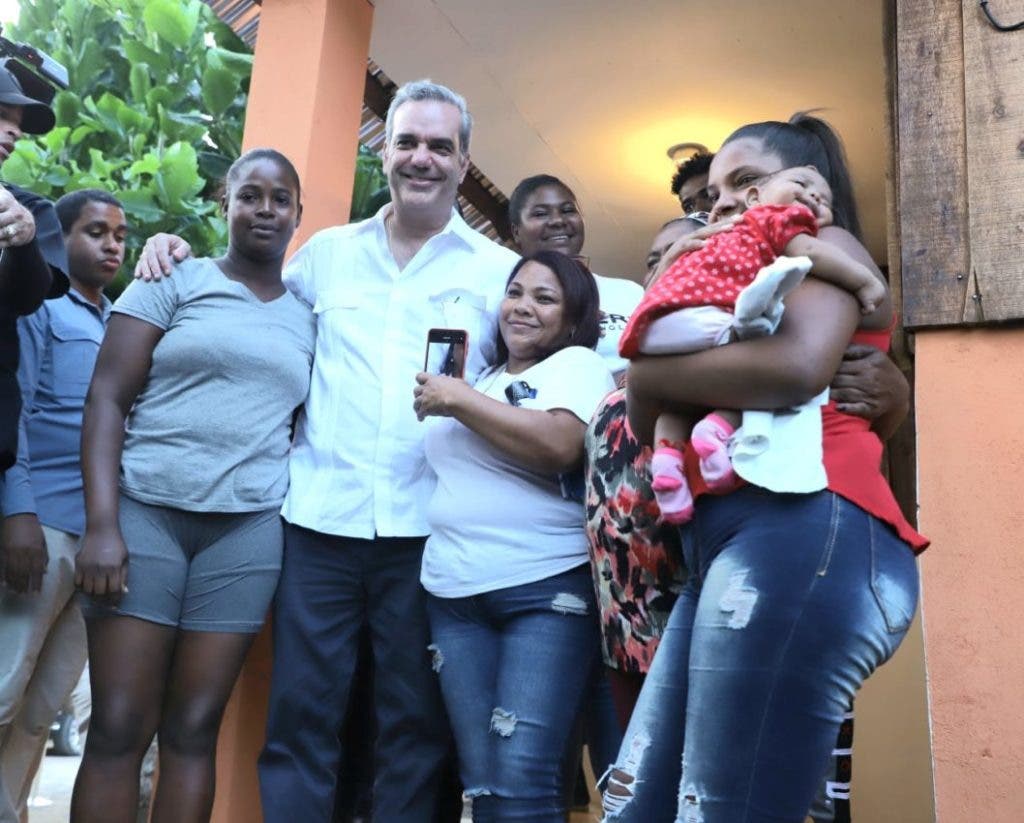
780	224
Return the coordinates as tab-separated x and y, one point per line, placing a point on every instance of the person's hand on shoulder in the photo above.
23	553
17	225
101	567
437	395
159	255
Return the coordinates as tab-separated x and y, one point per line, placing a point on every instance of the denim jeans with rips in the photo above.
793	601
515	665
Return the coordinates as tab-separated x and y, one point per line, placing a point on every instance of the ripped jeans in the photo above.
515	665
793	601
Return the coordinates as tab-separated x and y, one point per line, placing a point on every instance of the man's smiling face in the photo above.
423	160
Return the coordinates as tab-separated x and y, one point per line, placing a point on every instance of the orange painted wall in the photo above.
970	424
305	99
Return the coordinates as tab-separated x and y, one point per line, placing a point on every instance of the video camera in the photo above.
39	74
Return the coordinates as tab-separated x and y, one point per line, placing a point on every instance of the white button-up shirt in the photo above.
357	466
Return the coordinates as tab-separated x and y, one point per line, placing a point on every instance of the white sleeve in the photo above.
298	273
575	379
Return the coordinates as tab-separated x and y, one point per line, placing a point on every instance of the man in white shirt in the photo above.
359	483
355	511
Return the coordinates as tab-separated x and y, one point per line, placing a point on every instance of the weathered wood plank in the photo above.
900	461
932	181
994	96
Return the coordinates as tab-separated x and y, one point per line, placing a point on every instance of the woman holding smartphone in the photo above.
510	599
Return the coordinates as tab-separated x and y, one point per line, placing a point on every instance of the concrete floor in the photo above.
57	778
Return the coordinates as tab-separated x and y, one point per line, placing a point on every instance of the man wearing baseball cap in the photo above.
32	258
33	266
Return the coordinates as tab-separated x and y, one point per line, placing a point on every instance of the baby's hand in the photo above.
871	294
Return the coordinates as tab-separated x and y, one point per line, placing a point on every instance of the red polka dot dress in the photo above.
715	274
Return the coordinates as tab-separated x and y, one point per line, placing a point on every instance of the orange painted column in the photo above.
970	424
305	100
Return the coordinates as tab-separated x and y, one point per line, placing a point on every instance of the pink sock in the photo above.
670	487
710	440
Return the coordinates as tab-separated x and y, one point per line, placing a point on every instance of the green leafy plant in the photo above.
370	189
153	114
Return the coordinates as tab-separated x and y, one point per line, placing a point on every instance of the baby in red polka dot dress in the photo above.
733	289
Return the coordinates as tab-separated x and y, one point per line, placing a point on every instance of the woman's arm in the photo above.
121	370
868	384
780	371
547	442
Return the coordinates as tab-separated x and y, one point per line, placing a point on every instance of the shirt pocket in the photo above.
338	299
467	310
338	311
73	357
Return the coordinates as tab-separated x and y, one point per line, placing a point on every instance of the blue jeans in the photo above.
792	602
515	665
330	588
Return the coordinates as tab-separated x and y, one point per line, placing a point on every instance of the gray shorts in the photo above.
200	571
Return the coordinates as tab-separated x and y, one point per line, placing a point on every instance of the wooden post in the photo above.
305	100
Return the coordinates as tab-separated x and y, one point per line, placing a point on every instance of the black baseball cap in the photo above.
37	117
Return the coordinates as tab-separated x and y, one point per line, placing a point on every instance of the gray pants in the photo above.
42	653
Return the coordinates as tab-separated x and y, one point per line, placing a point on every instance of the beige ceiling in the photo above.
594	91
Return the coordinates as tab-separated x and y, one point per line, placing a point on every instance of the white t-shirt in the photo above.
618	298
493	523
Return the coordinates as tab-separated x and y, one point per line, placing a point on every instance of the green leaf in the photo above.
178	177
28	150
172	20
158	96
84	180
138	80
223	35
57	177
101	166
219	89
141	206
213	165
107	116
18	171
56	138
150	164
79	134
240	64
89	62
137	52
181	126
66	106
74	13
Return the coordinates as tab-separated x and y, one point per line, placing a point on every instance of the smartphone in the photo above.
446	352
